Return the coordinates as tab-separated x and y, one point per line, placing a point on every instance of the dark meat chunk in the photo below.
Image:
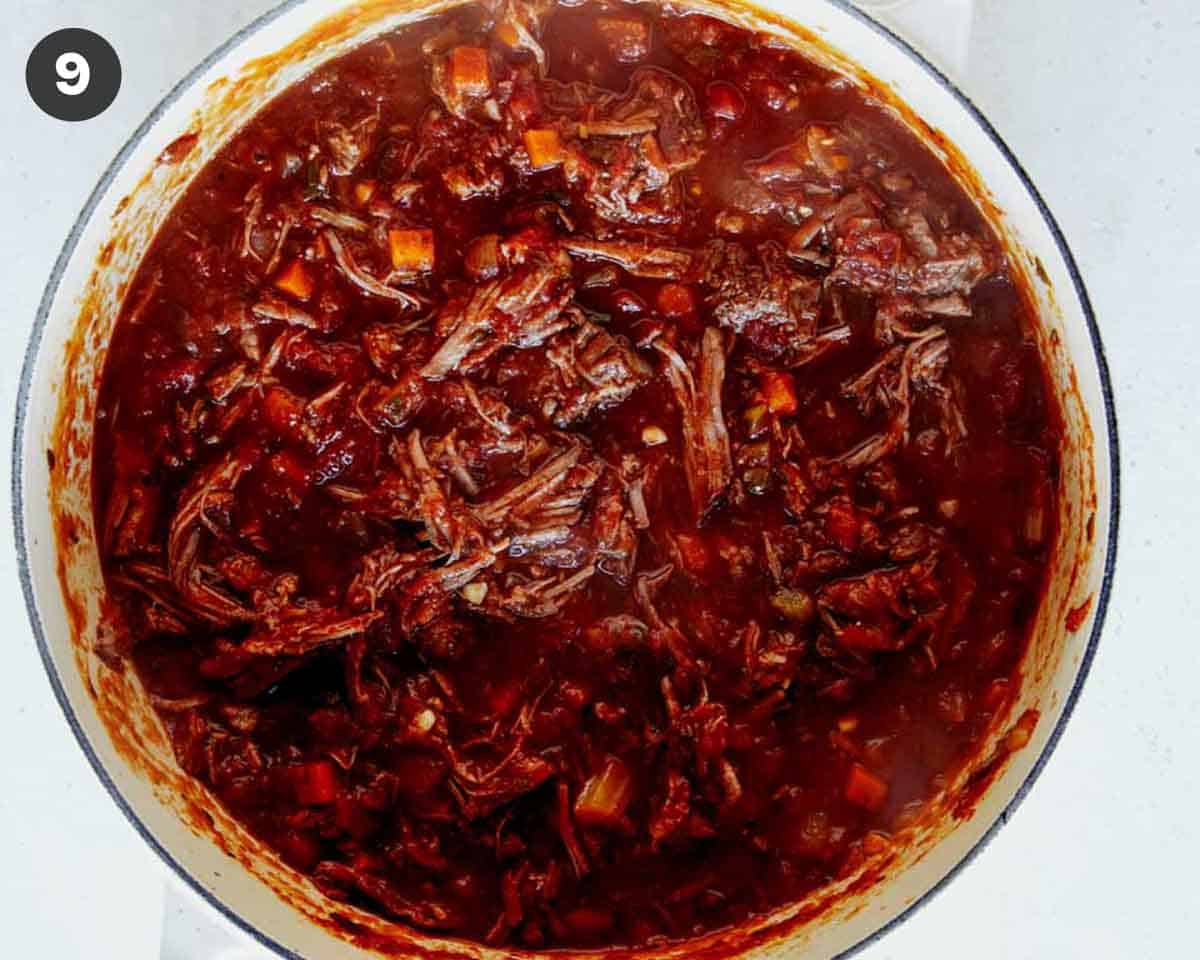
706	451
885	610
613	530
132	520
523	310
484	793
349	144
778	310
203	597
825	155
870	256
638	259
587	369
633	149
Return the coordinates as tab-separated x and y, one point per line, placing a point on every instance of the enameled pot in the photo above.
110	713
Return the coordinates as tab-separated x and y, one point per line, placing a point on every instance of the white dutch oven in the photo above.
106	706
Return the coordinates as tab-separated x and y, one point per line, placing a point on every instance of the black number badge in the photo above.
73	74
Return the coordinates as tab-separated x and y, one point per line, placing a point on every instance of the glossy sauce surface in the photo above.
575	475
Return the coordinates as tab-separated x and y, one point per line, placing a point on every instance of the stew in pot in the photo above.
575	475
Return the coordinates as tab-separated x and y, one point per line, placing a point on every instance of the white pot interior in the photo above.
106	705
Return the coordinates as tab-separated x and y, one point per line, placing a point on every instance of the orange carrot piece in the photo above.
295	280
470	72
544	148
864	789
780	392
412	250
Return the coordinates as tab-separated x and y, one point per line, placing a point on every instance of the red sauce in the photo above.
575	476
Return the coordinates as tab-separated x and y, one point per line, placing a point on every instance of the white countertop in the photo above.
1097	97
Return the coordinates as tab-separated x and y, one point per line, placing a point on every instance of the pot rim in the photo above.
68	251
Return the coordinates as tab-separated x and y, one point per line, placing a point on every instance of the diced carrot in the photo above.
295	280
675	300
412	250
318	784
470	72
544	148
780	391
606	796
364	190
864	789
692	551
